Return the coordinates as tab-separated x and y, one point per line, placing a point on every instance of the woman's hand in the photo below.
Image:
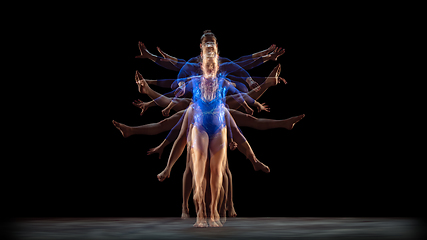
167	58
143	50
180	91
276	53
158	149
166	111
232	145
248	109
262	107
142	88
140	104
252	84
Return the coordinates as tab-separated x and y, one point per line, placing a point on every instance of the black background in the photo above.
340	160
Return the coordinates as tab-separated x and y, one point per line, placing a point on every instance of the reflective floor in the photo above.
234	228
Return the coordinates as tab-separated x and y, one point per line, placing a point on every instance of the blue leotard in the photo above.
208	104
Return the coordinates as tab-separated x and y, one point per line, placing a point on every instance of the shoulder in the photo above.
223	60
194	60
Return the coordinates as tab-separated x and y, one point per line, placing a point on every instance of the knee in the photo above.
216	171
164	122
198	194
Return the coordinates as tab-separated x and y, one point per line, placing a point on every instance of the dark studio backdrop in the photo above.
330	164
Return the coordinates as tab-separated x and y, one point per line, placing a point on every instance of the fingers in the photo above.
266	108
161	52
155	150
271	48
255	86
150	151
283	80
139	75
250	111
137	102
141	47
165	112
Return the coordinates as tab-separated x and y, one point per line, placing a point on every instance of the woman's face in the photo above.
209	47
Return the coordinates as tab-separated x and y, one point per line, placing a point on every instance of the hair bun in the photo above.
207	31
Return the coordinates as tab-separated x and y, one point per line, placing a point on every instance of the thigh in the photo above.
199	140
242	119
218	149
171	121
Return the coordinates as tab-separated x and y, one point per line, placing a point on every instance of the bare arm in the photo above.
145	53
263	52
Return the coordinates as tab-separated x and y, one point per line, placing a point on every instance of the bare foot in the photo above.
290	122
223	214
163	175
201	224
260	166
125	130
231	212
185	213
213	223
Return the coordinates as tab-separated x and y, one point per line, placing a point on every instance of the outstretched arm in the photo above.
250	61
178	63
158	60
145	53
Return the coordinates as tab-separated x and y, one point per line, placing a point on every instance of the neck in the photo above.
209	66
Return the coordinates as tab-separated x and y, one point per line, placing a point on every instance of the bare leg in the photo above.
221	202
217	164
159	99
244	146
187	180
272	80
200	143
178	147
186	189
149	129
223	196
166	83
230	204
246	120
